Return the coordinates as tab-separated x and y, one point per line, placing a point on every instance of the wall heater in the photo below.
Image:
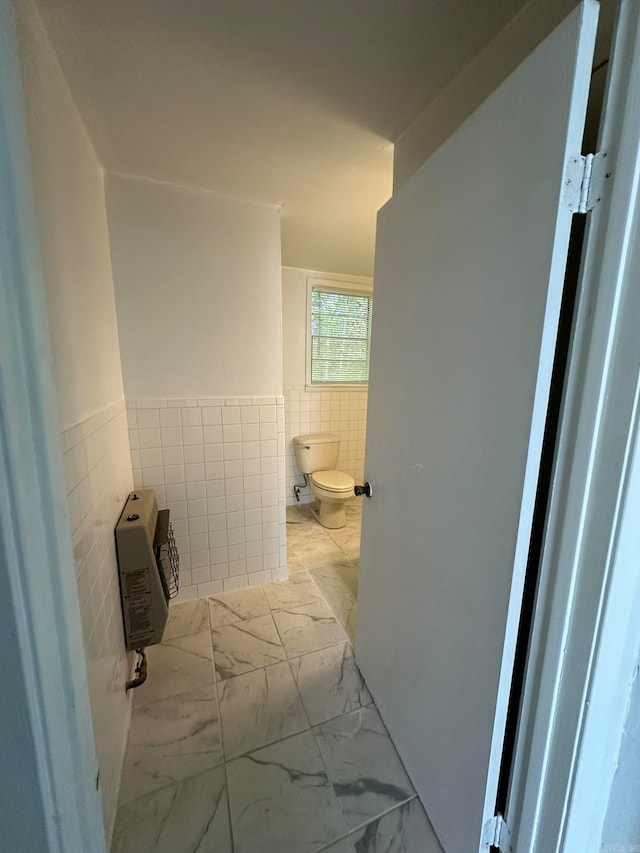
149	568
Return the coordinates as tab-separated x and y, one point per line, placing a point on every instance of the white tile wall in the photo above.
218	464
343	413
98	478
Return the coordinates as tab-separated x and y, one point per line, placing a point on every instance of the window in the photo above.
339	333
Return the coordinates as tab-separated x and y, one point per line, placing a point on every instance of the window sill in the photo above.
342	386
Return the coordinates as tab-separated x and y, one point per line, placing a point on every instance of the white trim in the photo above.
586	635
328	284
35	542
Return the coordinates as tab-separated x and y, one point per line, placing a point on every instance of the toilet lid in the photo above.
333	481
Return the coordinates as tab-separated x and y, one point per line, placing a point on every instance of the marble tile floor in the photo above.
330	557
255	732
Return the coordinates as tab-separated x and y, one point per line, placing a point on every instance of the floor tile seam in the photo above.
324	598
344	627
326	648
335	540
321	648
346	714
302	702
255	668
346	642
237	622
338	594
275	742
213	665
396	807
252	671
242	618
324	764
384	726
345	559
224	752
286	654
174	784
289	607
182	636
173	696
337	716
328	846
346	837
386	731
336	586
333	788
228	793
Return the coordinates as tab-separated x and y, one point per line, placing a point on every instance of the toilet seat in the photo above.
333	481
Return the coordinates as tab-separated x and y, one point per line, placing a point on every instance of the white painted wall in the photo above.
198	293
339	411
199	301
72	224
68	182
475	83
294	325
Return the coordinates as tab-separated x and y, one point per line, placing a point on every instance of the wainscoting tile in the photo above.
183	442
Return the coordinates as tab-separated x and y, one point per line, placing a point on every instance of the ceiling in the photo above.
292	102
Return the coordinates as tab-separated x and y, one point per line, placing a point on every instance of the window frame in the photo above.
349	287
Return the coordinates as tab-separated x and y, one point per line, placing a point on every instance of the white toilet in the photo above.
317	456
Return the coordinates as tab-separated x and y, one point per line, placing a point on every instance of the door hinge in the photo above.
496	834
584	181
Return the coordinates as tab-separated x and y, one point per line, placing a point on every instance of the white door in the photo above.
468	280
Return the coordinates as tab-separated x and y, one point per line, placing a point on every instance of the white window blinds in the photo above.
340	336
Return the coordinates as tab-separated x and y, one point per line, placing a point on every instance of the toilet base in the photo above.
329	514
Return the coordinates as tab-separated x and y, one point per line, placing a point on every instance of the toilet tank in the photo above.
317	451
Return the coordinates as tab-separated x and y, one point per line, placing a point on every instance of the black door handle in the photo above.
363	490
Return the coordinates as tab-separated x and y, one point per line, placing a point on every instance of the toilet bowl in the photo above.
317	456
332	490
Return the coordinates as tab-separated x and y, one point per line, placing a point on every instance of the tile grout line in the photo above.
310	728
279	740
222	743
335	616
288	658
373	820
386	811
